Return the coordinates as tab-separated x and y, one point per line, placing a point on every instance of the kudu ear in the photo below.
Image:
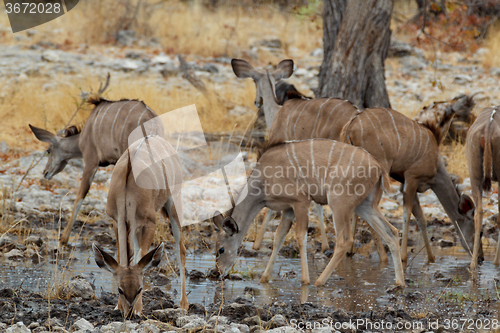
242	68
43	135
217	220
152	259
466	205
284	70
104	260
229	225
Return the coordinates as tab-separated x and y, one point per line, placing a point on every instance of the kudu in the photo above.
409	153
133	200
482	149
297	119
346	178
101	142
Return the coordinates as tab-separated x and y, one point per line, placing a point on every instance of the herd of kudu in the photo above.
323	150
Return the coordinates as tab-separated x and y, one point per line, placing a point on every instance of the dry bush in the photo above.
457	161
492	57
179	27
53	108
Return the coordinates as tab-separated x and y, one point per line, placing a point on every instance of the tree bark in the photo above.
356	44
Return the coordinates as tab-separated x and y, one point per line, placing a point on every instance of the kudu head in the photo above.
227	243
129	278
465	222
262	77
61	149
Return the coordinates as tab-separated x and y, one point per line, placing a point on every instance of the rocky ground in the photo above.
37	208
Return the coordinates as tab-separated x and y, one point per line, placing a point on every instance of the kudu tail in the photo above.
344	134
386	183
487	155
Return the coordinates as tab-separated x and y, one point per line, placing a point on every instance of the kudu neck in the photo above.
71	146
270	105
447	195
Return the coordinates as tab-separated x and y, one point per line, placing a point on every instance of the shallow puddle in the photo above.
359	284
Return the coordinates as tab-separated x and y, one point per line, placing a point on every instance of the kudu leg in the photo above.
258	241
180	250
477	196
322	227
409	192
354	227
388	232
422	224
87	178
279	239
341	219
496	261
301	224
376	239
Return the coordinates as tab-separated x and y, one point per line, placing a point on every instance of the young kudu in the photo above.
287	178
103	139
482	148
409	153
133	200
297	119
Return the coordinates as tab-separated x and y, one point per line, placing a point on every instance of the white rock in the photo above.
462	79
82	325
239	110
18	328
118	326
50	56
14	254
196	321
241	327
80	288
389	206
284	329
161	59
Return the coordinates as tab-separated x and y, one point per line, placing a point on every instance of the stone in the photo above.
117	326
79	287
318	53
18	328
3	147
462	79
241	327
445	243
399	49
284	329
82	325
36	240
14	254
389	206
169	314
50	56
184	320
277	321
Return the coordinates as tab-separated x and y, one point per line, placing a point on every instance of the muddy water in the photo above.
359	284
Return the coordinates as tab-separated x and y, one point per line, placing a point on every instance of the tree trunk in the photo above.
353	64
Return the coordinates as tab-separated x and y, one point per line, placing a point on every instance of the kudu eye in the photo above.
138	292
221	250
120	291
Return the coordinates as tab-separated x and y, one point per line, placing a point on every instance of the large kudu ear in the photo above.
230	227
217	220
242	68
104	260
152	259
43	135
466	205
284	70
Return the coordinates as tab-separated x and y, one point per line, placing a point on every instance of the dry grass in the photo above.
180	27
492	57
52	109
457	162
